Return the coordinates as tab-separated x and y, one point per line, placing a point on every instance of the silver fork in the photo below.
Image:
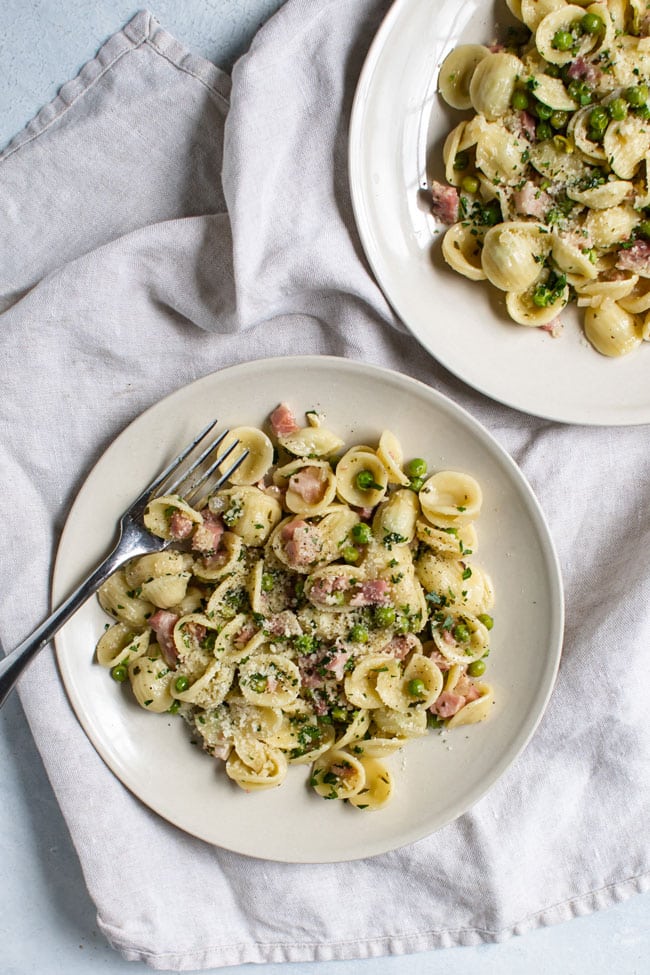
133	539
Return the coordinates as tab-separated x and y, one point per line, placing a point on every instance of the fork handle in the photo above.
13	665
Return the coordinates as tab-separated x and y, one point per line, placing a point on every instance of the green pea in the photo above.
637	95
461	161
598	119
543	111
361	533
350	554
416	467
562	40
416	484
592	24
519	100
359	634
643	112
617	109
304	643
461	633
416	687
470	184
486	620
476	668
339	714
181	683
544	131
579	91
267	582
384	615
119	673
366	481
559	119
552	70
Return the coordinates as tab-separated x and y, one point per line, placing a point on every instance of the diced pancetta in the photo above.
372	592
336	660
400	646
310	483
444	202
531	201
325	589
302	542
282	421
635	258
439	660
180	526
528	125
162	623
208	534
466	687
221	749
584	70
447	704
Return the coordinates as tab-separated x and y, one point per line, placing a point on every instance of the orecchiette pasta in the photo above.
548	182
322	611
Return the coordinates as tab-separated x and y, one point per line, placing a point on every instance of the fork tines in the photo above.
177	478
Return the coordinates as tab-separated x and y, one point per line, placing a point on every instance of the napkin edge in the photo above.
142	28
222	956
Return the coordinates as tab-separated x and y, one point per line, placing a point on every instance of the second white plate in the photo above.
398	126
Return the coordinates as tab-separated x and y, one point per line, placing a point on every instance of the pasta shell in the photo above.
119	644
451	497
311	442
611	329
150	679
512	255
378	787
248	512
456	74
352	466
462	247
338	775
264	773
493	83
474	711
269	680
158	513
118	599
389	451
523	310
260	455
311	486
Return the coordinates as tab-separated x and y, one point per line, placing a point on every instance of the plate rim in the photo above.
535	512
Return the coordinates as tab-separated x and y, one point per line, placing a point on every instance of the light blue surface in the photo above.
47	922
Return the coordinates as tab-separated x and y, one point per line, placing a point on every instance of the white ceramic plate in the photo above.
399	124
151	754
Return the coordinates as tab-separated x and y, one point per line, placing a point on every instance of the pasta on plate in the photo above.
321	609
547	192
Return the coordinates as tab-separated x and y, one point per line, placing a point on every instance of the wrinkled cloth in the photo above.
161	221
